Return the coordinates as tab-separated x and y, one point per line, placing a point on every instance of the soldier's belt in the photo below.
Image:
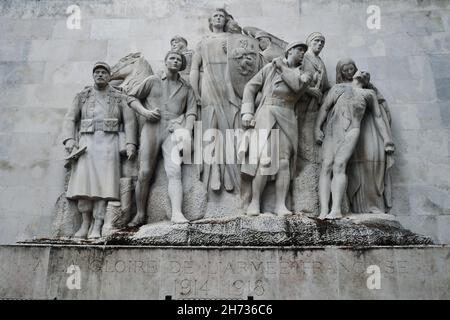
278	102
106	125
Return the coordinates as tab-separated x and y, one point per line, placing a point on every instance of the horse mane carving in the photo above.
132	69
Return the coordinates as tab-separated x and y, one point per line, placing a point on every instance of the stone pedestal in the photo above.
140	272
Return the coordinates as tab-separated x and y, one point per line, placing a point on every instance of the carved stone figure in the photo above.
233	26
275	42
309	103
345	70
305	197
91	134
180	44
221	55
281	84
343	110
369	181
169	106
269	51
132	70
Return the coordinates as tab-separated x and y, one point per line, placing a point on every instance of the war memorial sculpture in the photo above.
240	139
249	93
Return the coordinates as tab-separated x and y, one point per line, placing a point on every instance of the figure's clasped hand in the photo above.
319	136
173	125
153	115
70	144
389	147
277	64
306	77
316	93
247	119
131	151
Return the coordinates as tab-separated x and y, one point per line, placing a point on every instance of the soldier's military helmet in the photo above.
179	38
262	34
293	45
101	64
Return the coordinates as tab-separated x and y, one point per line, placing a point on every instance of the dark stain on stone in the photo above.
6	165
43	164
431	206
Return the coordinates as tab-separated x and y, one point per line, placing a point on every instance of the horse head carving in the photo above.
132	69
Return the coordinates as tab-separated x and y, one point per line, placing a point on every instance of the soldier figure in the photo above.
281	84
268	50
91	133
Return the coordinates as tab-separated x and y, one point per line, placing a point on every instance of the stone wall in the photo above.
43	64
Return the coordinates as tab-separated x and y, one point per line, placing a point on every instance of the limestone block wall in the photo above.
43	64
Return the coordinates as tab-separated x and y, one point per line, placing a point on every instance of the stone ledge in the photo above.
264	230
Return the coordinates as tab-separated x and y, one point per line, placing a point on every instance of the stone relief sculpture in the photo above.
270	46
228	60
213	93
254	83
269	50
369	181
180	44
131	70
91	134
310	103
281	84
169	105
343	110
308	162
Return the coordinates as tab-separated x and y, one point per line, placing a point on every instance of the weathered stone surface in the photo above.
14	73
14	50
120	272
266	230
103	29
60	30
85	50
306	184
442	91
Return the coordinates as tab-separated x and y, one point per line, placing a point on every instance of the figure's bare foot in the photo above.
323	215
282	211
95	234
83	231
334	215
178	218
138	220
215	178
96	231
253	209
